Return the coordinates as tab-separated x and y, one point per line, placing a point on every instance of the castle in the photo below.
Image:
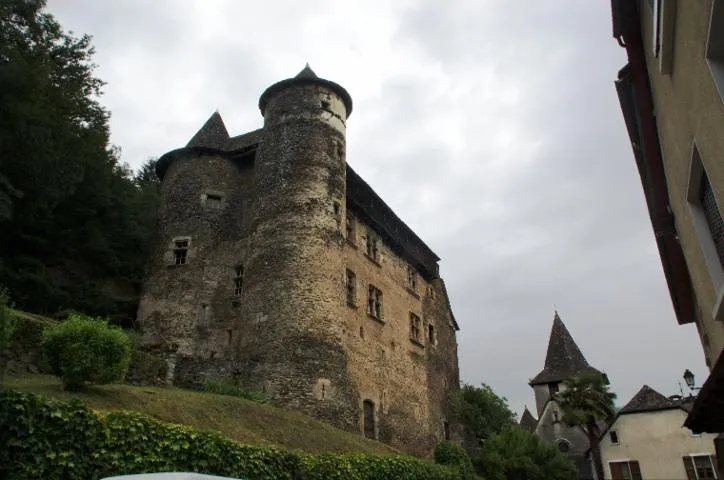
275	263
563	360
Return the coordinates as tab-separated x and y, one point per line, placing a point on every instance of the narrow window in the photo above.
613	435
553	388
180	249
374	302
368	413
337	214
412	278
351	285
414	327
203	313
431	337
351	230
238	280
213	201
555	417
372	246
361	332
229	336
446	429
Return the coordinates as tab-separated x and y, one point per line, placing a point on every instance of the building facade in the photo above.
563	360
276	264
647	439
672	98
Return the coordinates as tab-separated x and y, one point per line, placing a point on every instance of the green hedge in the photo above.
41	438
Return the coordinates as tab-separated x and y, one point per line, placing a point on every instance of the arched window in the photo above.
368	413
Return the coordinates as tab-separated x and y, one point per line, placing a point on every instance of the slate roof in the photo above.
527	421
563	358
648	400
212	134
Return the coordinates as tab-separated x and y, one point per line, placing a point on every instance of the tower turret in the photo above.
300	180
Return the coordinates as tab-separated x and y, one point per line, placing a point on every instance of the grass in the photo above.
242	420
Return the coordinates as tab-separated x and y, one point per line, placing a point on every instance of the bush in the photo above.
453	455
59	440
84	349
228	388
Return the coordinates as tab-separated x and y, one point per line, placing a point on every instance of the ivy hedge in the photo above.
50	439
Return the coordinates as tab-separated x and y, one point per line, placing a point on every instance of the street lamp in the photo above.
689	379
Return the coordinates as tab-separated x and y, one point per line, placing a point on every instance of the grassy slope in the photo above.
242	420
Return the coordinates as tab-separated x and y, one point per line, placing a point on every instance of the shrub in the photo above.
453	455
84	349
58	440
228	388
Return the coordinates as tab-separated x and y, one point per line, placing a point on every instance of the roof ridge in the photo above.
648	399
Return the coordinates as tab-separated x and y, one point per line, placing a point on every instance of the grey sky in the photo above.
491	127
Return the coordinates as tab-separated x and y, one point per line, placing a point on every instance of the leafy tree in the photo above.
586	402
481	410
76	223
8	324
86	350
453	455
516	454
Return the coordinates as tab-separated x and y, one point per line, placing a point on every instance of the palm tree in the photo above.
586	402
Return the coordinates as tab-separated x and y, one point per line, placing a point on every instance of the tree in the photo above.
586	402
76	224
8	324
516	454
86	350
481	410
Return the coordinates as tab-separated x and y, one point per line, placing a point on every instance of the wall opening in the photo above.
368	414
446	429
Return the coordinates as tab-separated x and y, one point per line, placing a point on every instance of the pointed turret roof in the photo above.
563	359
307	72
647	400
527	420
212	135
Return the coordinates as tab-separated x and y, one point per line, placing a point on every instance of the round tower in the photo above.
295	268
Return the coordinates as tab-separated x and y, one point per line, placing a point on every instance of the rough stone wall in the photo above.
407	381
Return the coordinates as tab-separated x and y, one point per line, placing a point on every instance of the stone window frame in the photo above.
216	195
715	46
372	246
202	315
563	441
431	333
238	279
416	329
375	303
337	213
350	284
351	228
373	418
697	173
180	247
445	429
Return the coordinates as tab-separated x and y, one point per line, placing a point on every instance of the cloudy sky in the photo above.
491	127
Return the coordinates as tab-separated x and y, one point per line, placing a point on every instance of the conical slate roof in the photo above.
527	420
646	400
212	135
563	359
307	72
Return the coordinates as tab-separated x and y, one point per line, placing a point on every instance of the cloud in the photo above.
491	127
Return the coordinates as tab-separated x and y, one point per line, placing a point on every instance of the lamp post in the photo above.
689	379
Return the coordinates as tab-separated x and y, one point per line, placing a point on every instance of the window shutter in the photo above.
635	470
615	471
689	466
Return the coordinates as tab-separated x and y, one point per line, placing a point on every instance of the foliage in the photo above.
229	388
76	223
8	325
481	410
453	455
516	454
58	440
84	349
586	402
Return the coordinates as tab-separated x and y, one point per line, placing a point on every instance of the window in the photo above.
180	249
553	388
446	429
563	446
431	336
372	246
212	200
414	327
715	45
374	302
613	435
337	214
412	278
238	280
368	413
713	216
203	313
664	19
699	467
351	284
625	470
351	228
555	416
